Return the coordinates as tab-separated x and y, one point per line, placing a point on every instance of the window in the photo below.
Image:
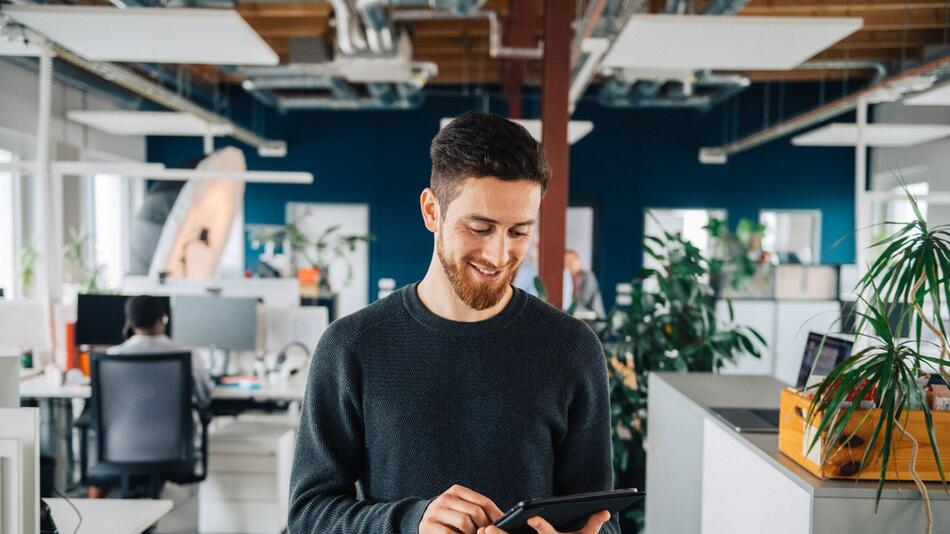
794	236
8	227
109	228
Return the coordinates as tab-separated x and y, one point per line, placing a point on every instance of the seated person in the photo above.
146	319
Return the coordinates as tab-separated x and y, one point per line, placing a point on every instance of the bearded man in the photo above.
437	407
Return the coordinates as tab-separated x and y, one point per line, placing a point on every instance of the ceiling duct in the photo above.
625	89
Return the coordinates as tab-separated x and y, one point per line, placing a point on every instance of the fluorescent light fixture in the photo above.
149	123
119	168
166	35
157	171
18	48
938	96
739	43
576	130
875	135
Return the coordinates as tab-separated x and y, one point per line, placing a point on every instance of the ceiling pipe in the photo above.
495	46
902	81
880	70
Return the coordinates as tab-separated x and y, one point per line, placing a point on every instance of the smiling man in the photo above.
436	408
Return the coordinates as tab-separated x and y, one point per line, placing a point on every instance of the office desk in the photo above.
268	397
115	516
702	476
38	387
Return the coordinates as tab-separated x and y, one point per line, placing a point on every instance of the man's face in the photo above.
484	236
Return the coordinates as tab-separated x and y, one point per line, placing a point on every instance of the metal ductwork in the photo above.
675	90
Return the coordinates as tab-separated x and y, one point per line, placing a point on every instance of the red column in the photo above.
554	117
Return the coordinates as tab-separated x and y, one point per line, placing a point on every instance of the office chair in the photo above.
141	410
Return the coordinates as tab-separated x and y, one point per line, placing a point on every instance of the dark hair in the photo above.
482	145
144	311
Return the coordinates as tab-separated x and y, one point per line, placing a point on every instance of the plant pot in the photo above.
795	436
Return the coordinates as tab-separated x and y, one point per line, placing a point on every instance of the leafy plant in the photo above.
736	256
913	267
670	328
77	270
28	259
321	252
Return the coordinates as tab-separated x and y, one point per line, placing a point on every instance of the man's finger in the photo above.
494	530
595	522
454	519
541	526
494	513
476	512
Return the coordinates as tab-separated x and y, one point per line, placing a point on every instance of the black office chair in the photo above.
141	410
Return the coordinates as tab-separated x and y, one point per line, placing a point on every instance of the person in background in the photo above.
586	294
146	320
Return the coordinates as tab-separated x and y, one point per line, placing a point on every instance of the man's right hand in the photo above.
459	509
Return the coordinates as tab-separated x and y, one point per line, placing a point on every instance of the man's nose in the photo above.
497	251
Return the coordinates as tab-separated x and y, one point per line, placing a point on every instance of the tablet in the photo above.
567	513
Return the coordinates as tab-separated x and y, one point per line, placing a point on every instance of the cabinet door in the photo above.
758	315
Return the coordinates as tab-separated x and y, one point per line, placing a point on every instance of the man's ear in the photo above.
430	209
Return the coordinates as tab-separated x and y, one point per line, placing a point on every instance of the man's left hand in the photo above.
592	526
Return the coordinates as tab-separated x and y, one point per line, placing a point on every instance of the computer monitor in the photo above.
833	351
24	325
218	322
101	319
20	468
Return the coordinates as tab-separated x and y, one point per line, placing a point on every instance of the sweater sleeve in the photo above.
330	448
583	458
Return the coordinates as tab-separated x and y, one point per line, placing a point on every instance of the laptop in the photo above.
823	352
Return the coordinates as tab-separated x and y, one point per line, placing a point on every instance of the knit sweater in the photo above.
401	404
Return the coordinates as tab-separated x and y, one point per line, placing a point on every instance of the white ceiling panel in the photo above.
152	35
740	43
147	123
876	135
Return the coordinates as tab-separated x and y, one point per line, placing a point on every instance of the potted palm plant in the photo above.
910	280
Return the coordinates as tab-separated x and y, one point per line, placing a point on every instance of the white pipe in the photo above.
342	13
495	47
861	205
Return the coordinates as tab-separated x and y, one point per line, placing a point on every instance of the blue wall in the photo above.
633	159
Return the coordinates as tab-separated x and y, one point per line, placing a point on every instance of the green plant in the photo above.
77	270
669	325
321	252
913	267
28	259
736	256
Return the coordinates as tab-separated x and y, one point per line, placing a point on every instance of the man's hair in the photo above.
483	145
144	311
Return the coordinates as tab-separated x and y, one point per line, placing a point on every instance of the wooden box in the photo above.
795	436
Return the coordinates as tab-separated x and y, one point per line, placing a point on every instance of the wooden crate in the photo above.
844	463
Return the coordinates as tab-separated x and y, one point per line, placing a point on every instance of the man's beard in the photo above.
476	294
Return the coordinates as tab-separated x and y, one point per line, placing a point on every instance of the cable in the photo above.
71	505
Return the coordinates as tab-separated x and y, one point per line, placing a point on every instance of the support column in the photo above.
862	208
554	103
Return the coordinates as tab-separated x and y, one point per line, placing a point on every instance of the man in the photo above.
586	294
145	323
456	397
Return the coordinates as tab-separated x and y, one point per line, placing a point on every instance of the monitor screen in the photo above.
833	351
219	322
101	319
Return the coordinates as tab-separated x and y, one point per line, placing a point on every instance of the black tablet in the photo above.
567	513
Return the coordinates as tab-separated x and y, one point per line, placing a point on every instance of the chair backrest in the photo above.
142	408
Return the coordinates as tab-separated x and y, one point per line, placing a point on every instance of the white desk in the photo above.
703	477
290	390
38	387
115	516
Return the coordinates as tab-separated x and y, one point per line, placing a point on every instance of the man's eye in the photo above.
481	231
519	234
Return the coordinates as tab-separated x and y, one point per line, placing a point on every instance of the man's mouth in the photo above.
485	274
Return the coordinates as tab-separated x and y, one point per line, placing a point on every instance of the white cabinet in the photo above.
248	484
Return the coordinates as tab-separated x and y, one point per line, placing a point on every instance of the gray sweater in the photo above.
403	404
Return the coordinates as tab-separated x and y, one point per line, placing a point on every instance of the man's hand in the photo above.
592	526
459	509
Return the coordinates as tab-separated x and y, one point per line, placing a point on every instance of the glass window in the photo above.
8	228
793	236
108	207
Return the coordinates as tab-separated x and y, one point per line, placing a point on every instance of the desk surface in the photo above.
292	390
115	516
701	391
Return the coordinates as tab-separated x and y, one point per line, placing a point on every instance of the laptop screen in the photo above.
833	350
